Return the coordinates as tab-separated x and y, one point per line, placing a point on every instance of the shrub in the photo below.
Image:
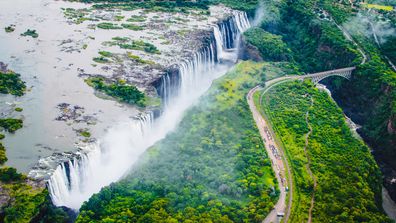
271	46
30	32
10	124
11	83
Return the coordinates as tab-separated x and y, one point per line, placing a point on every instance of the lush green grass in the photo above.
11	83
349	182
212	168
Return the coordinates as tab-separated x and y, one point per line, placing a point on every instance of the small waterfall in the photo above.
74	181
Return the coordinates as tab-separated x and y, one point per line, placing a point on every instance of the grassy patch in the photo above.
137	18
85	133
379	7
105	53
138	59
127	43
18	109
108	25
101	60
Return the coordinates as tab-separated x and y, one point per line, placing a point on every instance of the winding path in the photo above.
278	161
309	164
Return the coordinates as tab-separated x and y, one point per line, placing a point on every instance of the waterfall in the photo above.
106	161
225	38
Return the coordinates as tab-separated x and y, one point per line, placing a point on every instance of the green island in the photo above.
108	25
11	83
30	32
127	43
10	28
119	90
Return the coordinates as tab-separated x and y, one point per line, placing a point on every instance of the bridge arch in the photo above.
317	77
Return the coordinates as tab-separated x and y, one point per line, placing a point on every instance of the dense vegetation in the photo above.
348	179
11	83
26	202
119	90
270	46
212	168
309	28
11	124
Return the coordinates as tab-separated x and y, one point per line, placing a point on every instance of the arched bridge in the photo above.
317	77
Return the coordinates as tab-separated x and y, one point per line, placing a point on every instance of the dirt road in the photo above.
275	153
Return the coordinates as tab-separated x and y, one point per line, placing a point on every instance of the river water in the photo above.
52	78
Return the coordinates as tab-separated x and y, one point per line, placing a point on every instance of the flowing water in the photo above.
106	161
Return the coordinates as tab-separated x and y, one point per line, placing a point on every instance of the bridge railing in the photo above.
329	72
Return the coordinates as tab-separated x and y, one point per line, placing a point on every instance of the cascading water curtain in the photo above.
73	182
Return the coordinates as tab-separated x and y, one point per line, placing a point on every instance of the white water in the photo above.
108	160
